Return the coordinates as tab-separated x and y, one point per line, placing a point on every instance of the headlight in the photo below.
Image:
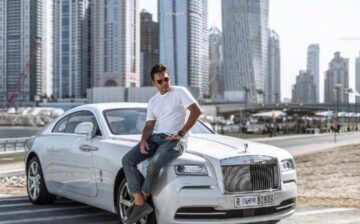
192	170
287	164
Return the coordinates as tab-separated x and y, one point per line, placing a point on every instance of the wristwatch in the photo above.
181	133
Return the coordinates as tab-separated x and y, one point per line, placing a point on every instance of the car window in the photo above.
132	121
126	121
79	117
200	128
61	125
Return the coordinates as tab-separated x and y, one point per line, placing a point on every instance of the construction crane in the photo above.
22	77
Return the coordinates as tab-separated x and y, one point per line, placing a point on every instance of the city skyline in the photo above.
300	23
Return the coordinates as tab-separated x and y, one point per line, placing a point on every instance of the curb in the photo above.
5	196
268	139
8	173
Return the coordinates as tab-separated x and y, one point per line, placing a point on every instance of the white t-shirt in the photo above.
169	110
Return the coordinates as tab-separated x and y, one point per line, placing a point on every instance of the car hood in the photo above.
220	147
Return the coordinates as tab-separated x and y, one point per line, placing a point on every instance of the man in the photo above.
167	109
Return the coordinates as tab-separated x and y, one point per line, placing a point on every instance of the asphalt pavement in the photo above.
18	209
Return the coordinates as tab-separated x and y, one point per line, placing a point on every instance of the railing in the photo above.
13	144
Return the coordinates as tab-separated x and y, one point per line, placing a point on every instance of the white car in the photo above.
218	179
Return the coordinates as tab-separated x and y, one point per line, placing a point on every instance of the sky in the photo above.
333	24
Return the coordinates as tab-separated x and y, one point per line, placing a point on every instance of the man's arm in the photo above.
147	132
195	113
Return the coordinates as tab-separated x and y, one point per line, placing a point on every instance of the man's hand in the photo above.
144	147
173	138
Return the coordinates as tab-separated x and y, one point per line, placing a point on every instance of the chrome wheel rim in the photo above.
125	201
34	180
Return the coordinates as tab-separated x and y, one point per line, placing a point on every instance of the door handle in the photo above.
88	148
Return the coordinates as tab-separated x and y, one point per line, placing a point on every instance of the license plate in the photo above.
254	200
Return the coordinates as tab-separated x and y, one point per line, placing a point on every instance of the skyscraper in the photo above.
71	66
312	66
47	40
216	73
357	77
184	42
21	46
149	48
304	90
245	36
338	74
272	91
115	43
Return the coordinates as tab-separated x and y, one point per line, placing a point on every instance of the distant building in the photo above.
22	45
357	77
216	72
126	94
272	91
337	74
184	42
304	90
115	43
245	39
71	48
286	100
149	47
312	66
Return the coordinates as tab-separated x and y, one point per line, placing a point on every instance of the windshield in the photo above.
132	121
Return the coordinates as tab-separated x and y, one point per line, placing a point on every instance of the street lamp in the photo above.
356	112
348	91
246	89
337	88
261	93
276	97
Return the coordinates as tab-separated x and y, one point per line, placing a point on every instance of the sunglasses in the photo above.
160	81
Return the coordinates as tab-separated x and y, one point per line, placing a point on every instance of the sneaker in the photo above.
127	212
138	212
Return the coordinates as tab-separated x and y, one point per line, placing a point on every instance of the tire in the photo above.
36	187
268	222
125	200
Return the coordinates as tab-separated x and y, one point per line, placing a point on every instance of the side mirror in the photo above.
84	128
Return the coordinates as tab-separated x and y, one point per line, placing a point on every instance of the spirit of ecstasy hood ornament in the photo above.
245	147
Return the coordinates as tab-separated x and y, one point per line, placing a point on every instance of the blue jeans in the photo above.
162	152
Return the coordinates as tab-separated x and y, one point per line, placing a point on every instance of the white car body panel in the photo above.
89	177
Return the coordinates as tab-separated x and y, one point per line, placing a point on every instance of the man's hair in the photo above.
158	68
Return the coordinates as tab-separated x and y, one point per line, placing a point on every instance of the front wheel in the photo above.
125	200
36	188
268	222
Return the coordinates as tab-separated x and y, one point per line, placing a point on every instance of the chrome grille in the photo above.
250	177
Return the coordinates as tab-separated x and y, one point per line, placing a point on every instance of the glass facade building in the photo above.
337	76
312	66
184	42
21	58
245	41
115	43
71	48
272	91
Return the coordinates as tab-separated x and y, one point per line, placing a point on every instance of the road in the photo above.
19	210
301	144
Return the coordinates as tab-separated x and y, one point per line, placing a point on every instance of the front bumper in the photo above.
207	204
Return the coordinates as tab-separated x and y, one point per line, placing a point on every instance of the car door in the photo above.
72	157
